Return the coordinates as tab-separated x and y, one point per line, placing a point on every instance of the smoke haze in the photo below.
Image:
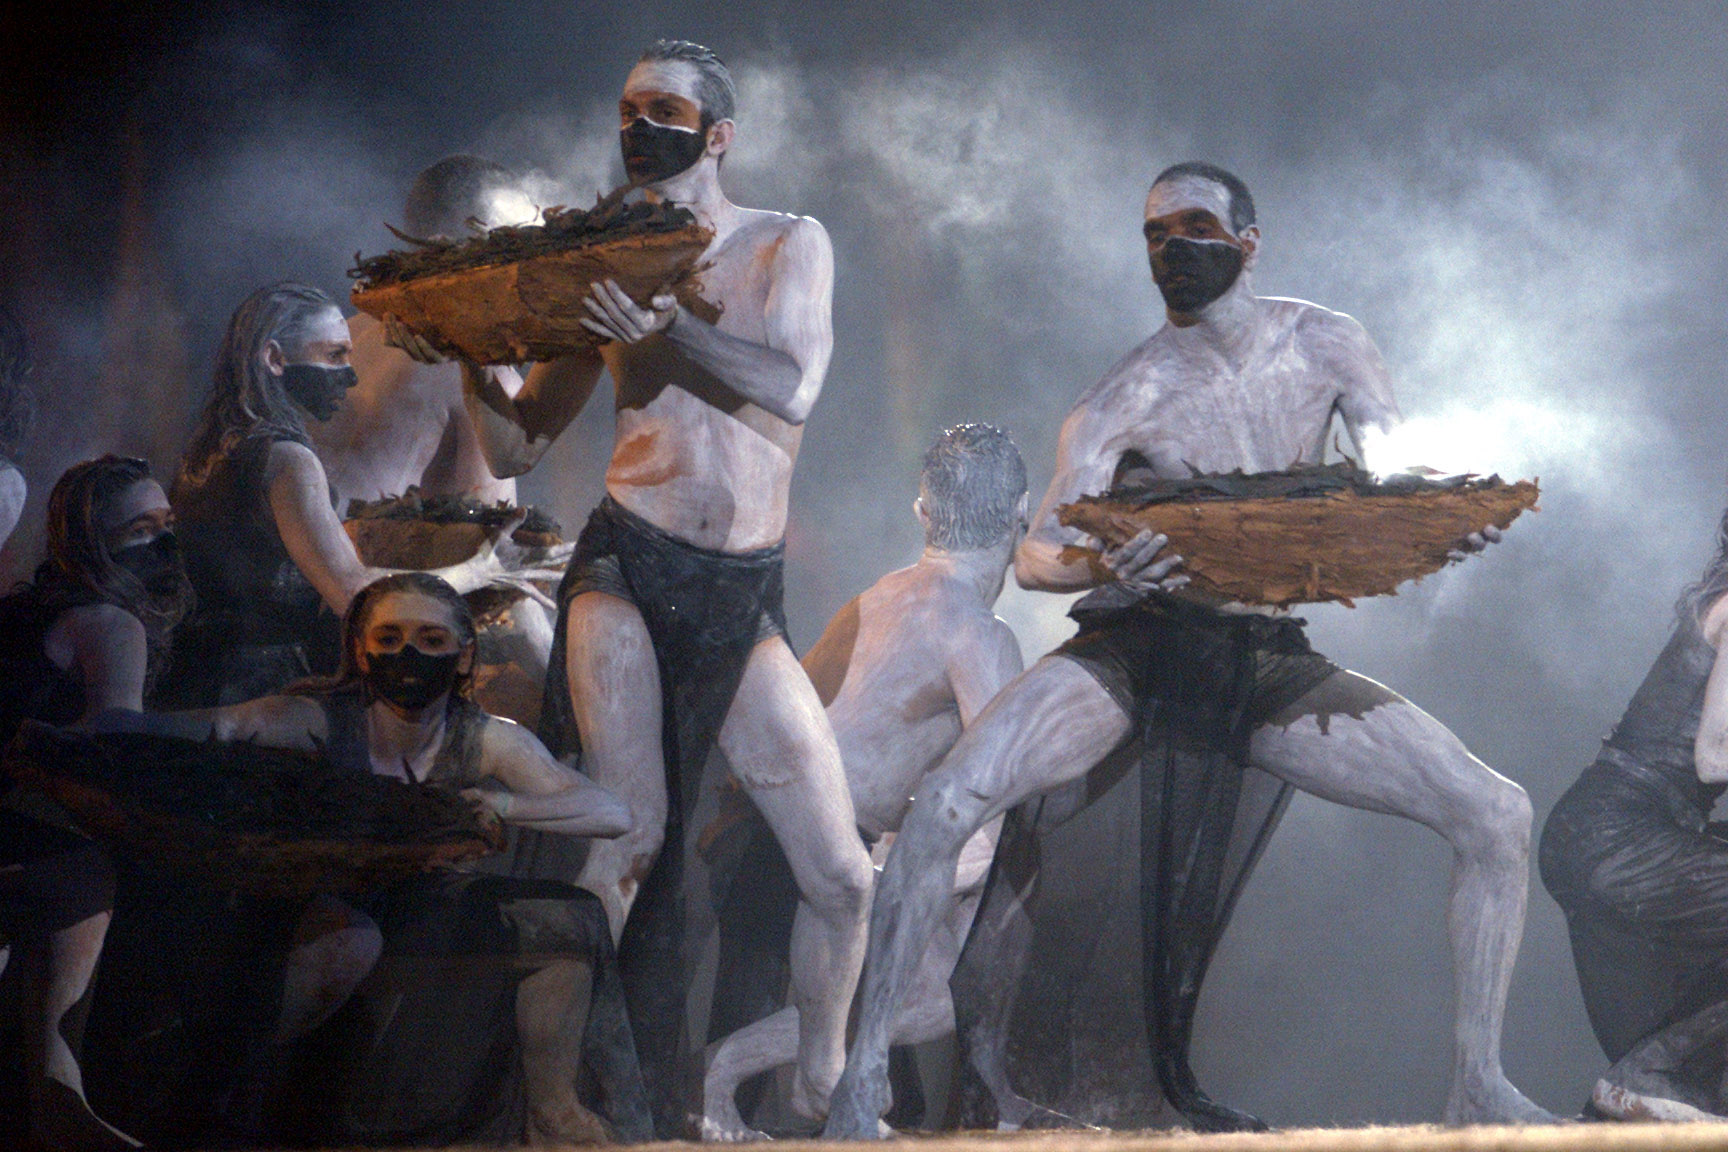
1517	201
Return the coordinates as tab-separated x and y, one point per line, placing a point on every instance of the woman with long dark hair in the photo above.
87	635
398	706
265	549
1631	856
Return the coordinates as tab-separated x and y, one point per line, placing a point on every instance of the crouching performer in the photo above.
901	670
671	633
1631	856
88	634
398	706
1231	381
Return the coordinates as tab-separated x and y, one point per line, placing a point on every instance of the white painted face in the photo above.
327	343
664	91
1188	206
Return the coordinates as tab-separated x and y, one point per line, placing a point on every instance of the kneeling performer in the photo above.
1631	856
902	669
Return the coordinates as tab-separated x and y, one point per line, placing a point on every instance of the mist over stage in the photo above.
1518	201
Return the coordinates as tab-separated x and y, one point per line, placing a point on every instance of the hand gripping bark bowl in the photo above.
1307	535
515	294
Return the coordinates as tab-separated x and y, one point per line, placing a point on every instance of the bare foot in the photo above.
855	1109
732	1130
1624	1103
1496	1102
565	1123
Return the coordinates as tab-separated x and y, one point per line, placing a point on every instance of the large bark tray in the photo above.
238	816
416	530
515	294
1307	535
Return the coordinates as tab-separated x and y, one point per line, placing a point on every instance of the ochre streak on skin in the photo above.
828	662
638	462
1351	696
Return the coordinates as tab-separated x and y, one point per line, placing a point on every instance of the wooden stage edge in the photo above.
1606	1137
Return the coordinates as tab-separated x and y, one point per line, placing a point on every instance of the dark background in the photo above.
1520	200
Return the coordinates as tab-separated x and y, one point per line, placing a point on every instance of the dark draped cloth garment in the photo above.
259	623
705	611
1196	682
1631	857
429	1052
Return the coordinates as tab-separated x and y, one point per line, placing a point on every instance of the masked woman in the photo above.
87	635
264	546
1631	856
398	706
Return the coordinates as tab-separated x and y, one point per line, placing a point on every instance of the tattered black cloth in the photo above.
1197	682
705	611
1631	857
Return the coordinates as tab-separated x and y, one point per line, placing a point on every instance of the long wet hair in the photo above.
348	676
1698	597
246	399
79	569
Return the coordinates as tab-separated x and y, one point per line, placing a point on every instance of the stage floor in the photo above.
1424	1138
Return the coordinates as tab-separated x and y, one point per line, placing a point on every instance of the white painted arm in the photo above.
543	793
299	498
784	374
989	657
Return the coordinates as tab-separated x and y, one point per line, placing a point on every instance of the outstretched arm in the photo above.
299	498
783	374
517	420
543	793
274	721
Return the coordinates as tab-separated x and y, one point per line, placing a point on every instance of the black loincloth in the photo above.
1196	683
1630	856
705	612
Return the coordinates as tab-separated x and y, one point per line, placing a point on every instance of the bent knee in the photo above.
839	886
1498	822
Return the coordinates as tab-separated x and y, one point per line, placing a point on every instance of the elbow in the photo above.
613	820
1033	571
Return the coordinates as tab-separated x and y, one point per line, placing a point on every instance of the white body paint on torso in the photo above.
691	455
404	424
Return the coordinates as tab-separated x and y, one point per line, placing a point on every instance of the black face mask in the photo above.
157	565
655	152
1193	273
408	678
318	388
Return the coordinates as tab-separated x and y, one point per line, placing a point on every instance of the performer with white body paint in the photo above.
671	609
902	669
1232	380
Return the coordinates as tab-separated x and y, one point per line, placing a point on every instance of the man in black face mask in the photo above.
671	634
1232	706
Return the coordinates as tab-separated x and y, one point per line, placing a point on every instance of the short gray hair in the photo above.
971	488
715	93
444	196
